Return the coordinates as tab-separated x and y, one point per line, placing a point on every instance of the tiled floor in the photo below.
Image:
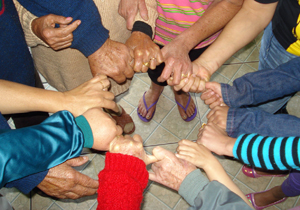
166	126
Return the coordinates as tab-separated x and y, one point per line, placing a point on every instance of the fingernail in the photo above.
184	117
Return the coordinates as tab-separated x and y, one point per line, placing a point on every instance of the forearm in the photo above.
197	191
85	40
273	153
26	19
121	182
215	172
37	148
218	14
261	86
13	100
243	28
152	14
242	120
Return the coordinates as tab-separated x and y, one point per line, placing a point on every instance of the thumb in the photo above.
150	159
62	20
78	161
159	153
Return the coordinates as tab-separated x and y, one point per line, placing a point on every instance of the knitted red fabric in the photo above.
122	182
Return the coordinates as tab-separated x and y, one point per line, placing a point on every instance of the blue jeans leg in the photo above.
271	55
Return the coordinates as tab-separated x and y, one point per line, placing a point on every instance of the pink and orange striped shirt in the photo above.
175	16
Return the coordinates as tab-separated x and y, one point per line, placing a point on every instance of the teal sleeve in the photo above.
37	148
86	130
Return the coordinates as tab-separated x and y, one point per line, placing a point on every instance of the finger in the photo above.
216	103
60	47
150	159
207	94
161	153
86	181
128	71
189	83
201	87
166	73
210	113
78	161
60	19
143	10
153	63
70	28
195	84
178	87
137	138
177	70
108	104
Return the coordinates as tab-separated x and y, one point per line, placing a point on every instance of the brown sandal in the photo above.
124	120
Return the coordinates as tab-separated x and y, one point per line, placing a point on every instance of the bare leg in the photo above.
271	196
151	96
182	98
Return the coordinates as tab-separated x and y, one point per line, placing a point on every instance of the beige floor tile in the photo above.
9	193
257	184
40	202
55	207
182	204
22	202
243	70
144	129
166	195
150	202
230	165
176	125
161	135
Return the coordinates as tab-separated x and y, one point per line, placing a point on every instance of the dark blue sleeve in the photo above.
264	85
26	184
90	35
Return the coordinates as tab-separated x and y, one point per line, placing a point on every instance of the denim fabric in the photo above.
271	55
254	88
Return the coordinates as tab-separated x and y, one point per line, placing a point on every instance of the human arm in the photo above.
125	175
254	88
85	40
130	9
42	30
252	18
88	95
176	52
195	188
201	157
272	153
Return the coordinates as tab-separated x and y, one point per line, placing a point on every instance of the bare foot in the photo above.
151	96
182	98
268	197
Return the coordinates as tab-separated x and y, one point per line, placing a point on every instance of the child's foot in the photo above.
150	97
268	197
183	99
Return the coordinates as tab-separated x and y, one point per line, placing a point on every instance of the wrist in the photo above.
229	147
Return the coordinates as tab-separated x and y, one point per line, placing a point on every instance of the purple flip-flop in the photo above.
185	108
147	108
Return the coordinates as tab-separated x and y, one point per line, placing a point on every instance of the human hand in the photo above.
145	51
104	128
131	146
169	170
216	139
88	95
128	9
177	63
195	153
112	59
57	38
218	116
212	96
64	182
196	81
